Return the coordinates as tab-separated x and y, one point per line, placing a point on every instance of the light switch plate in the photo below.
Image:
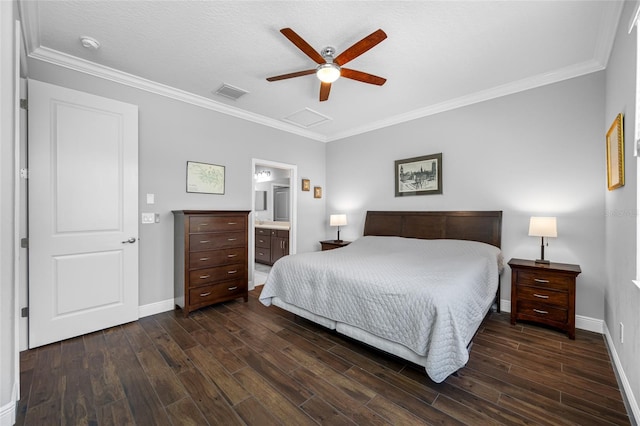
151	198
148	218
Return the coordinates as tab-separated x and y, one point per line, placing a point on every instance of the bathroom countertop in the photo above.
269	224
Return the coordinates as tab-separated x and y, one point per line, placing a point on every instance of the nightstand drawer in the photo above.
537	311
544	279
543	295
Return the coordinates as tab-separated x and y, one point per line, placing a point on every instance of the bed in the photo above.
416	285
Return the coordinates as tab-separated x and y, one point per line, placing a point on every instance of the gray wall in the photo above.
538	152
173	132
622	297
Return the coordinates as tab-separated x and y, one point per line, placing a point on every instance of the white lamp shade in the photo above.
543	227
338	220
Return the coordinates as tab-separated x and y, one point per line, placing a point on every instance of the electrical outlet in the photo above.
621	333
148	218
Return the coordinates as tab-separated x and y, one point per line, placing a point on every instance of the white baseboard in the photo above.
631	400
8	414
582	322
155	308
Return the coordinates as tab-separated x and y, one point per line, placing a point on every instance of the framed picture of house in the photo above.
419	175
615	154
205	178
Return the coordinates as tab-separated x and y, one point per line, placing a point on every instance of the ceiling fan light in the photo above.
328	73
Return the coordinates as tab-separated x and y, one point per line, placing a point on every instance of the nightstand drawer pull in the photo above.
204	242
205	294
231	255
232	272
232	223
232	288
204	277
231	239
538	311
541	296
538	280
202	259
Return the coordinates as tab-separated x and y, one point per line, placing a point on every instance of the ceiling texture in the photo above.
438	55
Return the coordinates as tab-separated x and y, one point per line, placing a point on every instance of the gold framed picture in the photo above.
615	154
317	192
306	185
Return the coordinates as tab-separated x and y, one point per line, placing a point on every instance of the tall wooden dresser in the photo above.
211	254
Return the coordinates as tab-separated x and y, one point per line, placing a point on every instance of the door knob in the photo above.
130	241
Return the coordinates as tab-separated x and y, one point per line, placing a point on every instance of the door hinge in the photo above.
24	312
24	173
24	242
24	104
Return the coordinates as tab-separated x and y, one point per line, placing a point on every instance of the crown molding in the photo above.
481	96
81	65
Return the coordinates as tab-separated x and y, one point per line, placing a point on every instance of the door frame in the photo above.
293	201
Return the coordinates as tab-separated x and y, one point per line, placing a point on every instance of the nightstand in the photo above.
333	244
544	293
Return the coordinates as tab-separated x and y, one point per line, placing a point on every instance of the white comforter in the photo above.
427	295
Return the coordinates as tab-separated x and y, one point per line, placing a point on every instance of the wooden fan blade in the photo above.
362	76
291	75
360	47
303	45
325	88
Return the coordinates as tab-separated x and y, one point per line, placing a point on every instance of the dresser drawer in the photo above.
216	223
263	241
219	273
263	254
213	293
545	279
204	259
208	241
538	311
543	295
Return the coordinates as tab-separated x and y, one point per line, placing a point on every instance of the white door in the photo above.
83	229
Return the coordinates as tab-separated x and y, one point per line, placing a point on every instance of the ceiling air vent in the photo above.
306	118
229	91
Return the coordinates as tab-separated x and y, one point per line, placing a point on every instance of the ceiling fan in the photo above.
329	69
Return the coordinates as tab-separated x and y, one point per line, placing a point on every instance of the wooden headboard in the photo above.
483	226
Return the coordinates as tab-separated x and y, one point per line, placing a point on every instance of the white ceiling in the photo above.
438	55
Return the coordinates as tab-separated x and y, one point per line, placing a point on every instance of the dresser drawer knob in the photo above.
205	294
231	239
538	311
541	296
232	288
539	280
202	259
232	223
232	272
204	242
231	255
204	277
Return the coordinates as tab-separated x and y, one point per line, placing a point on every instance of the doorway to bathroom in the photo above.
274	212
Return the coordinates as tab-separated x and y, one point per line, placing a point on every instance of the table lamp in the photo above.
338	220
542	227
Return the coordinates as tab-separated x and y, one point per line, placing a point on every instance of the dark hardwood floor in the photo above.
243	363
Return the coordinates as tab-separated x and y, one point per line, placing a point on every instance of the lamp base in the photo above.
543	261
